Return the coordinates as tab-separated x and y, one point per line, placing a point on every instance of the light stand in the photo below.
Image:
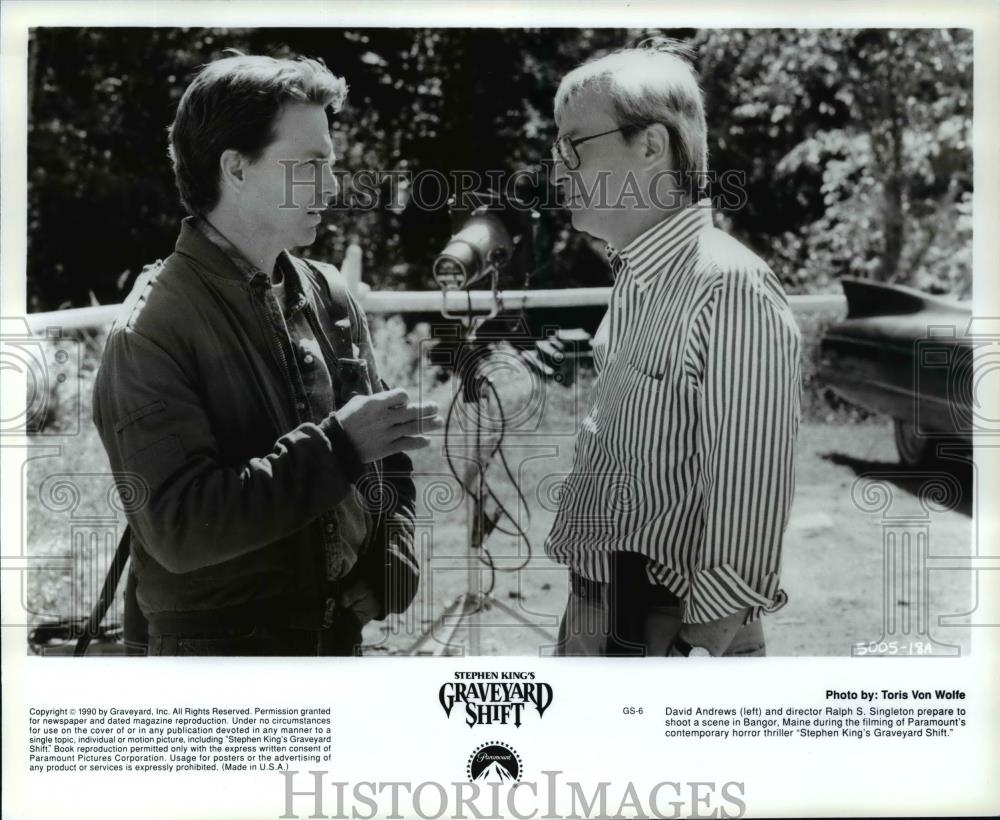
467	607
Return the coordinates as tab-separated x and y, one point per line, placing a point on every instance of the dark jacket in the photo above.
229	494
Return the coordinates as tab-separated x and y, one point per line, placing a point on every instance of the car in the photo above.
908	355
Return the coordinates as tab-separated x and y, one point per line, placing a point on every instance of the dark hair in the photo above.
233	103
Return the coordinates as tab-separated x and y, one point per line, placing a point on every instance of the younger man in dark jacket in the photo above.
271	500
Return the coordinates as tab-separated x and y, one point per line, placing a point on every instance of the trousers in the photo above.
343	639
629	617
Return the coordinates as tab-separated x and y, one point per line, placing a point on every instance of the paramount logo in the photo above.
495	773
494	762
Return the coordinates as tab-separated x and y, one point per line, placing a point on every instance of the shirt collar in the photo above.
249	270
651	251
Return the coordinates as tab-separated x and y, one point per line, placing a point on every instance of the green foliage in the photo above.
819	402
400	355
855	145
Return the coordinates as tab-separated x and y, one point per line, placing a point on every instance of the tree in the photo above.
854	144
865	133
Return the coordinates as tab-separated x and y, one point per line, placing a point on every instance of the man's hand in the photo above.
386	423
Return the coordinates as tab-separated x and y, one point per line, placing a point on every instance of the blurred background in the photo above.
857	154
856	145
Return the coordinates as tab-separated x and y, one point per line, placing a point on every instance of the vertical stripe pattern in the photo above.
686	454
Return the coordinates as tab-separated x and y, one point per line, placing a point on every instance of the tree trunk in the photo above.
893	179
894	227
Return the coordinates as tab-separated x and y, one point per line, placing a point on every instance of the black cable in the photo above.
521	532
485	555
487	558
483	551
502	510
503	456
480	525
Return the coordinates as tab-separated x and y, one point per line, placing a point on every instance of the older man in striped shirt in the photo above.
671	521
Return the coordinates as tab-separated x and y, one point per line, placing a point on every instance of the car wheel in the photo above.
914	450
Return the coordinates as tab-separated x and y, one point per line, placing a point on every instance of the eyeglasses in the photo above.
564	148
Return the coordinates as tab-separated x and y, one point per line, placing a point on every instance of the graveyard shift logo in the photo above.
494	762
495	697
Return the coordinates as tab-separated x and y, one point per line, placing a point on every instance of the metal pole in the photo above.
474	518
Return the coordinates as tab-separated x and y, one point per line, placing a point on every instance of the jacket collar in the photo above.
201	240
656	248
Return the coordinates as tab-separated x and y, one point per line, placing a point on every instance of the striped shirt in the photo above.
686	453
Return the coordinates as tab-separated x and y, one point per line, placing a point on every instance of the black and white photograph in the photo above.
608	342
631	363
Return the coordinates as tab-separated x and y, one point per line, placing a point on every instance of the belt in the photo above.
628	574
585	588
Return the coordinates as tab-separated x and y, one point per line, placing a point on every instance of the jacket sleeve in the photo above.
392	566
189	510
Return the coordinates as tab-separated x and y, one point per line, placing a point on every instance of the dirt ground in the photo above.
847	582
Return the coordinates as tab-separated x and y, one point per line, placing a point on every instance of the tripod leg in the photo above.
438	622
464	606
519	616
475	509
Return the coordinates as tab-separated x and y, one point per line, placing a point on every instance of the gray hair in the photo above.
651	83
